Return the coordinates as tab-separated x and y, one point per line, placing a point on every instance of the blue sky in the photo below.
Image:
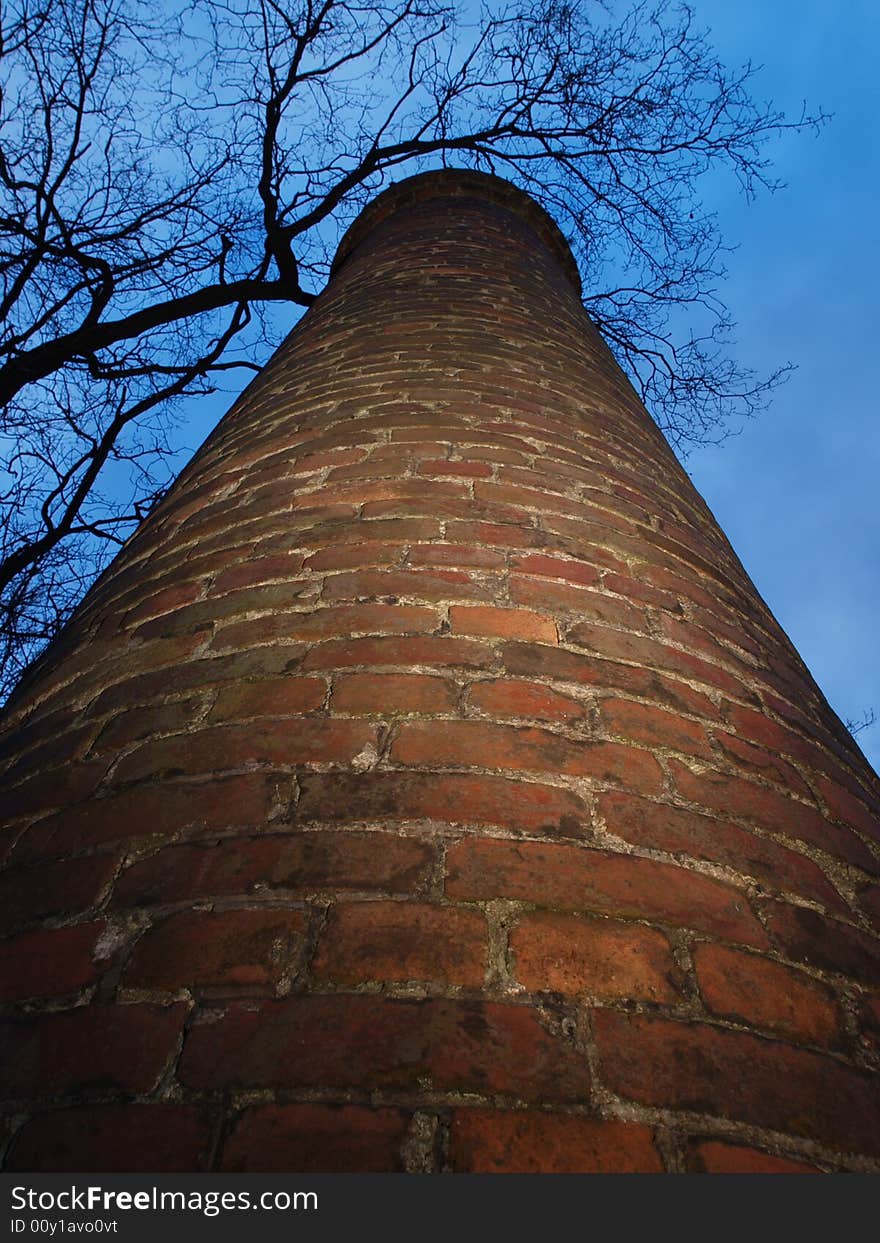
796	492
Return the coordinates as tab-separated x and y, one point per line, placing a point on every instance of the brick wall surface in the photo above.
426	786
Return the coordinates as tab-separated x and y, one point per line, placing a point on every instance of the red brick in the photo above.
297	862
325	623
164	601
413	584
281	567
89	1049
556	567
655	727
116	1139
602	957
204	949
849	810
733	796
659	826
273	598
715	1157
284	696
523	750
69	888
427	492
316	1139
48	962
332	457
138	723
386	693
762	762
503	624
419	650
632	589
643	651
571	878
368	1042
495	534
470	470
456	555
153	810
567	599
564	666
527	1142
507	697
350	556
808	937
735	1075
402	941
59	788
308	740
455	798
757	991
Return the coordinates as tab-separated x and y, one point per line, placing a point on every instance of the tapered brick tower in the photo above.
426	786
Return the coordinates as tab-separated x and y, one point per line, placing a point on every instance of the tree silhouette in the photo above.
168	173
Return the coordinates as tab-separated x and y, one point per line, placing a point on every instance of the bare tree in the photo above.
170	171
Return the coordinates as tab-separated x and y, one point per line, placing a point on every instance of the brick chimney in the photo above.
426	786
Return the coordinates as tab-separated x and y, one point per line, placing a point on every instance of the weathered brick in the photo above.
520	749
542	566
67	887
757	991
644	651
284	696
350	556
469	470
49	962
769	809
116	1139
571	878
328	623
565	598
503	624
316	1139
377	1042
62	787
163	601
527	1142
456	798
92	1049
298	862
509	697
411	584
655	727
419	650
138	723
849	810
153	810
386	693
662	827
761	762
565	666
456	555
307	740
602	957
716	1157
734	1075
204	949
280	567
402	941
808	937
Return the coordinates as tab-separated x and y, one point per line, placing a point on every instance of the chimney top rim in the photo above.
453	183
